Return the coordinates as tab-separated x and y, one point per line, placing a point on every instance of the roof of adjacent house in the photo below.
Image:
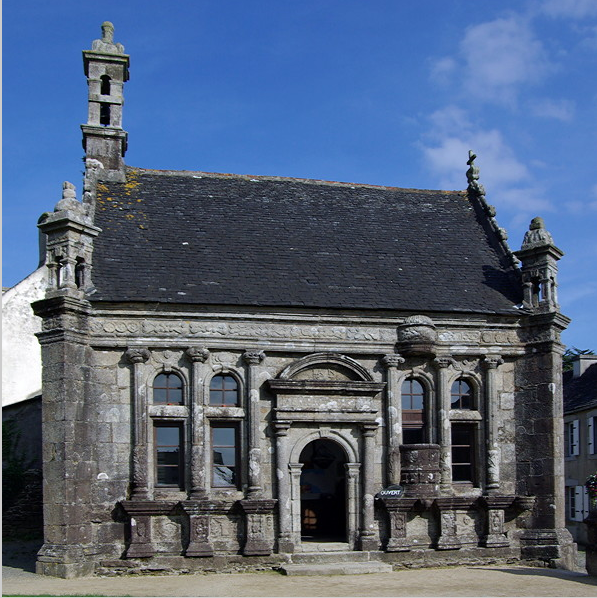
199	238
580	392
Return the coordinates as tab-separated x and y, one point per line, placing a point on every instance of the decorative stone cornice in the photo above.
137	354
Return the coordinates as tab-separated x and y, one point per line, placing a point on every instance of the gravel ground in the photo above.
19	579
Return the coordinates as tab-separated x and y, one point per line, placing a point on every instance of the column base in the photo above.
496	541
449	543
398	545
368	542
554	546
57	560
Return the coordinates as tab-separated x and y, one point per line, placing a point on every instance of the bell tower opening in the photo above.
323	492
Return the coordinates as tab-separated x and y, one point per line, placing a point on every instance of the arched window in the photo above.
105	85
167	389
462	395
413	412
223	390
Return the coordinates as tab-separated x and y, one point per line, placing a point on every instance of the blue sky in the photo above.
369	91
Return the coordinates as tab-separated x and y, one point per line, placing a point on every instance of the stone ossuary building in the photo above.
240	371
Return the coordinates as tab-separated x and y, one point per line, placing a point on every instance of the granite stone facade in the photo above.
229	404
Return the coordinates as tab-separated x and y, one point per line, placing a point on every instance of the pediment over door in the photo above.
326	387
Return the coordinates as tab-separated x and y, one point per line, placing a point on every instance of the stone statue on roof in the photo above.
106	44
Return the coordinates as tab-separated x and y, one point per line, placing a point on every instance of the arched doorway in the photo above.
323	491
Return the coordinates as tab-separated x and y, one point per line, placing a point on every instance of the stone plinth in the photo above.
420	470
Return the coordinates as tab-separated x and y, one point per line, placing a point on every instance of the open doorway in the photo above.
323	492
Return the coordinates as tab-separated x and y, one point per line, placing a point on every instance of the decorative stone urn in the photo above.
420	471
416	336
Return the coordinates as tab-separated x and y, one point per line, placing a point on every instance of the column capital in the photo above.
253	356
491	362
197	354
369	428
281	427
443	362
137	354
392	360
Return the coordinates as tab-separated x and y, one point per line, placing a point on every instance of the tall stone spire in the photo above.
107	69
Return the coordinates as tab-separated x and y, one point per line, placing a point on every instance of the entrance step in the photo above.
328	557
338	568
310	546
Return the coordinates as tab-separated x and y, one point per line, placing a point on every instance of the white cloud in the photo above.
560	110
495	59
573	9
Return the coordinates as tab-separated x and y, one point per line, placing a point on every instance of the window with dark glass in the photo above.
223	390
224	445
167	389
168	455
105	85
413	412
105	114
462	395
463	453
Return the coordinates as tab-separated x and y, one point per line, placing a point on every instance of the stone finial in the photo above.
472	174
537	236
106	43
69	199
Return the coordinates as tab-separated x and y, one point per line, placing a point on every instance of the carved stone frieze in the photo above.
123	327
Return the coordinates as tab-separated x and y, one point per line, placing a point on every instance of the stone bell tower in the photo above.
107	69
539	257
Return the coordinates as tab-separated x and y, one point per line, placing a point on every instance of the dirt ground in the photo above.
19	579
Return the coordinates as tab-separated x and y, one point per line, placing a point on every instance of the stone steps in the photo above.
337	568
304	558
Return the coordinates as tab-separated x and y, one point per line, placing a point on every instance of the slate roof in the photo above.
199	238
580	392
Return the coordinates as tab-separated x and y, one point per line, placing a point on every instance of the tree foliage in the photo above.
571	353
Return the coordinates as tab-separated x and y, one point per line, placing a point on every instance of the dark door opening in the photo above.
323	492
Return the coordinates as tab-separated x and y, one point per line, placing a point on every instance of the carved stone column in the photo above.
352	493
198	356
285	543
198	514
295	489
491	363
367	539
443	418
256	512
253	359
393	418
140	489
397	509
496	534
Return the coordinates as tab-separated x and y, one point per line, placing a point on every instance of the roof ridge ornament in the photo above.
472	174
477	190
